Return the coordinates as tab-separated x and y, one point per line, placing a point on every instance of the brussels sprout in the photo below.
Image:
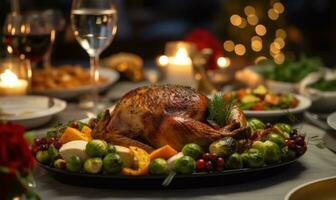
193	150
43	157
96	148
93	165
223	147
74	164
112	163
158	166
287	153
255	158
60	164
245	158
285	129
272	152
111	148
255	124
277	139
185	165
53	153
259	145
234	161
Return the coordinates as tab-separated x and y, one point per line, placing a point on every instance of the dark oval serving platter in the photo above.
179	181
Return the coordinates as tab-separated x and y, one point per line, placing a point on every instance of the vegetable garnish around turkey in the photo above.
261	99
174	140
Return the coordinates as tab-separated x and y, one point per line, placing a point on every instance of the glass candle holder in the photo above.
179	68
15	76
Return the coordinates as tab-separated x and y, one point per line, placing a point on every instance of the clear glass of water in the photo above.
94	23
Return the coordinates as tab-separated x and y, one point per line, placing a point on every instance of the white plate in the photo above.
321	189
29	111
111	75
331	120
304	104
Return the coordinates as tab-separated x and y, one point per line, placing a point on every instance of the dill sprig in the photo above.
220	109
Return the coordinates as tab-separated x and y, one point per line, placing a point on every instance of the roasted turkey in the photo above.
153	116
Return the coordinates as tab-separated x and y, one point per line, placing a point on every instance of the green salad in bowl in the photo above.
324	85
289	71
320	87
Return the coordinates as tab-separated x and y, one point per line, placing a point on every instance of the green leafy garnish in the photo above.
220	109
169	179
289	71
324	85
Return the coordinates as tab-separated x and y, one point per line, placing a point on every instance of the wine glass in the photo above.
27	36
94	23
56	22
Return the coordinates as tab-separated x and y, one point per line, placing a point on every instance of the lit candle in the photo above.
179	69
10	84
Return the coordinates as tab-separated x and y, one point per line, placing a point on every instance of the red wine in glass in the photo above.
32	46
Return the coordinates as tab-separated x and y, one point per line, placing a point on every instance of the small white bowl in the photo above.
321	101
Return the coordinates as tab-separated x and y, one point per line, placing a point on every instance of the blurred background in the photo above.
301	27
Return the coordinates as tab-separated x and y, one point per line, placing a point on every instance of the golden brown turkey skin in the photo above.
168	114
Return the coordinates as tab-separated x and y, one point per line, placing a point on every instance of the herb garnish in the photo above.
220	109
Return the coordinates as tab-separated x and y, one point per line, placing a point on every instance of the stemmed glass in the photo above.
94	23
56	23
27	36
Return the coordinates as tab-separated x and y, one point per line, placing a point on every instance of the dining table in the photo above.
318	162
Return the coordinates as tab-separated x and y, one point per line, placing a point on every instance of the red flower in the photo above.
204	39
14	149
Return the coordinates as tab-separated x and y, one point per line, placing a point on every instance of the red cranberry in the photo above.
51	140
300	140
200	165
208	165
75	125
220	162
57	144
37	141
291	144
43	141
302	149
44	147
213	156
269	125
206	156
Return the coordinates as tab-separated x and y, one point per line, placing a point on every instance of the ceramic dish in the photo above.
321	101
304	104
321	189
111	75
29	111
331	120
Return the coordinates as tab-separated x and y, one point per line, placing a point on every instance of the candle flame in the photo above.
181	57
223	62
163	60
8	78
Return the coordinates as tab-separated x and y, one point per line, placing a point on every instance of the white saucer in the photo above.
29	111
